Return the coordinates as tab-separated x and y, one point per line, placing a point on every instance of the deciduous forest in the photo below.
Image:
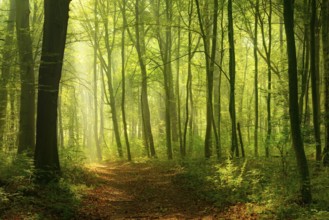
173	109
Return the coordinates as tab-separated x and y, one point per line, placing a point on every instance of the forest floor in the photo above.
146	191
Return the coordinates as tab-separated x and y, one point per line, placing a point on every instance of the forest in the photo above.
164	109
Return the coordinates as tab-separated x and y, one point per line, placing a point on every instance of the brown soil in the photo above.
142	191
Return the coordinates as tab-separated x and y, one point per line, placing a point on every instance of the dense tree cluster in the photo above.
175	79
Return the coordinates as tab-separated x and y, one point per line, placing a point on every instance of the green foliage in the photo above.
72	156
262	183
20	197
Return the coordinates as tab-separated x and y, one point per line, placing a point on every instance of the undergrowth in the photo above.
262	185
22	198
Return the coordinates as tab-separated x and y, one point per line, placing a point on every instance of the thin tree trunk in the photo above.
146	117
232	111
7	62
60	119
306	59
210	57
188	116
256	80
110	83
315	82
98	148
325	43
268	50
181	146
123	84
241	142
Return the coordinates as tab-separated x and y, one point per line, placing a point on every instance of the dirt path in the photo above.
141	191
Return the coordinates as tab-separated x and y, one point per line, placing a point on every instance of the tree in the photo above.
109	49
234	138
123	74
7	60
140	47
210	57
165	46
26	135
46	157
268	50
325	43
293	103
98	148
189	97
256	79
315	80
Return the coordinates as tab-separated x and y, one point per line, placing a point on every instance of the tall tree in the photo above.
210	57
109	49
46	160
268	53
26	137
140	47
189	98
234	138
325	43
256	78
98	148
297	141
7	60
315	80
123	75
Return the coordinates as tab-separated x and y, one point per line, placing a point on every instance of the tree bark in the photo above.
46	158
234	139
110	83
123	75
7	61
98	148
241	141
268	50
256	80
210	57
325	43
315	81
298	144
26	137
146	117
188	100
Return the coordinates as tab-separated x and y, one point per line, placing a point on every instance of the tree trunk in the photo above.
268	50
123	84
26	137
315	81
325	43
241	142
54	37
232	111
110	83
256	80
293	104
179	122
188	115
7	62
146	117
98	148
210	57
305	59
